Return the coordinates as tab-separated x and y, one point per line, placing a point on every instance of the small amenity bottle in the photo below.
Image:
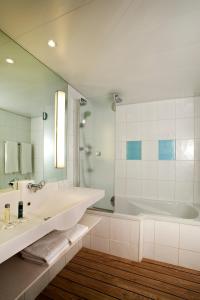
20	210
6	216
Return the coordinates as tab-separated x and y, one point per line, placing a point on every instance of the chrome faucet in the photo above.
34	187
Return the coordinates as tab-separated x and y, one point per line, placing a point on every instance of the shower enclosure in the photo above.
96	149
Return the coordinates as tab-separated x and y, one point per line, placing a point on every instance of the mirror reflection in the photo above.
27	125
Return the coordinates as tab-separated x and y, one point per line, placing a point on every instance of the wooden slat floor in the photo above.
95	275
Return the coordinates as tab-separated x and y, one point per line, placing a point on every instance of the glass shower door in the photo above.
97	137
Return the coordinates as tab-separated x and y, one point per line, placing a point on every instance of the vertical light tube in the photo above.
60	129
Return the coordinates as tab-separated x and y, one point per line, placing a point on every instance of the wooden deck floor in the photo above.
96	276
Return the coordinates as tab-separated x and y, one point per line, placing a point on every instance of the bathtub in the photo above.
131	206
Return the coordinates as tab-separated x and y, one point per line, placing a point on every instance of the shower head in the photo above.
83	101
117	99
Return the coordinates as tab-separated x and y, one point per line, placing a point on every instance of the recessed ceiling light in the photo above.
9	60
52	43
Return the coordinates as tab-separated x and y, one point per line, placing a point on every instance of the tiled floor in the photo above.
96	276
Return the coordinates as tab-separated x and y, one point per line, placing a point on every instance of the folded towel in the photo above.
26	158
76	232
11	157
46	249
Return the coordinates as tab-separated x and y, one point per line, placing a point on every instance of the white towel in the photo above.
76	232
26	158
46	249
11	157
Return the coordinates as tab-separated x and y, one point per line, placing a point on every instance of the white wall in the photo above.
151	178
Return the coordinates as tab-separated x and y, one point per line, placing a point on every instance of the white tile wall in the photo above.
149	122
189	259
189	237
166	254
167	234
172	243
116	236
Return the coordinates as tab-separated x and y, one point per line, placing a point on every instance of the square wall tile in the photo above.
100	244
120	230
189	259
167	234
133	188
133	113
120	249
166	109
134	169
166	254
150	189
166	150
184	171
189	237
148	250
185	128
166	129
166	190
87	241
134	150
133	131
166	170
149	150
184	192
149	111
149	170
102	229
185	108
149	130
184	149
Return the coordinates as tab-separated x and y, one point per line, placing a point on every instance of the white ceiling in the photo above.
144	49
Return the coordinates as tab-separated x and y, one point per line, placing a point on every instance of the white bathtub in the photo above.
130	206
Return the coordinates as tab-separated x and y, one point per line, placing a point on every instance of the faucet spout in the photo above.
34	187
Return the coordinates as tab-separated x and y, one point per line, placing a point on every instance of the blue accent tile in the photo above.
133	150
167	150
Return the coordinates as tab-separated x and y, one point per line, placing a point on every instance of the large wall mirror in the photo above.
27	135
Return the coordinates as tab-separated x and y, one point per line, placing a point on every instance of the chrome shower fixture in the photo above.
116	100
83	101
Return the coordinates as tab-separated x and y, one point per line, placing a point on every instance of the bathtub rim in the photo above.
142	217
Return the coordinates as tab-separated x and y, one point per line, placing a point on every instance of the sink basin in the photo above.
58	210
65	209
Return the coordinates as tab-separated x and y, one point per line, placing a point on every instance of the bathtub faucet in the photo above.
34	187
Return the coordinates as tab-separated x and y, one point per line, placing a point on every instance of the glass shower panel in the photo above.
97	134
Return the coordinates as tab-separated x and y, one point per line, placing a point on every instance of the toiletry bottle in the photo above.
7	213
20	210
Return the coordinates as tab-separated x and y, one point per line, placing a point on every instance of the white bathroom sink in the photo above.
65	208
47	211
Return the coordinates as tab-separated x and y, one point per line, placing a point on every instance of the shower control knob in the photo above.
98	153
